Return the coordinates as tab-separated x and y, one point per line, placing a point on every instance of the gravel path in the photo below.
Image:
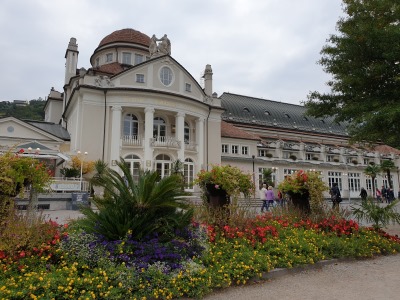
376	278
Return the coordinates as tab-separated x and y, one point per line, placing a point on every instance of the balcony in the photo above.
191	146
131	140
165	142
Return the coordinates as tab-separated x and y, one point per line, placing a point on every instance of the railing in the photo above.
165	141
191	146
131	140
69	185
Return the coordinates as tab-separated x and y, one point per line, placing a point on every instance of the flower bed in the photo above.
78	266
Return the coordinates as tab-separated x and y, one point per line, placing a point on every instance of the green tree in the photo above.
267	177
364	61
151	205
373	171
387	166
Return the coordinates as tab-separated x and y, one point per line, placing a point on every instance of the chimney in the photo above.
71	56
208	89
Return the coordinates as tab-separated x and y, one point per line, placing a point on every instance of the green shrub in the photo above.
151	205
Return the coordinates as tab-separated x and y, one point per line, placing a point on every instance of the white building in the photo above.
137	102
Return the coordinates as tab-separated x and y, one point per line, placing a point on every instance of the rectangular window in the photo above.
354	182
308	156
329	158
335	177
262	152
245	150
140	78
97	62
287	172
126	58
225	148
235	149
385	180
138	59
368	184
109	57
188	87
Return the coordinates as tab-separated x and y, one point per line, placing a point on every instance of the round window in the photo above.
10	129
166	76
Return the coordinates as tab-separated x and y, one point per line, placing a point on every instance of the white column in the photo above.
200	143
115	135
148	134
180	134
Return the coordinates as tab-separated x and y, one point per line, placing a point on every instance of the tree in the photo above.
387	166
373	171
364	61
267	176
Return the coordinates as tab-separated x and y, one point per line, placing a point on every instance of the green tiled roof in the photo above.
269	113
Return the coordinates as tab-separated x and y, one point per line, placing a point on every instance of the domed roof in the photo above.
126	35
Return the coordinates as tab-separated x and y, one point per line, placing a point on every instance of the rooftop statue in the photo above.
159	46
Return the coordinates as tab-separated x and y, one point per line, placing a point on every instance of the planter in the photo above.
216	197
301	201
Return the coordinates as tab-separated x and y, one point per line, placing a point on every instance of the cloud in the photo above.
263	49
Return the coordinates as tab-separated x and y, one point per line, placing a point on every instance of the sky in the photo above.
260	48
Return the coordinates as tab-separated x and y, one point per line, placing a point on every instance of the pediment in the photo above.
14	129
163	74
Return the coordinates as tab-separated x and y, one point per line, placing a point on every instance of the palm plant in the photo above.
267	176
387	166
379	216
151	205
373	171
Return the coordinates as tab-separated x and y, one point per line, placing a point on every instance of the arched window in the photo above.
187	133
188	173
159	127
131	125
163	165
133	162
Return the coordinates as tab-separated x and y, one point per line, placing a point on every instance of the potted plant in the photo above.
224	182
305	190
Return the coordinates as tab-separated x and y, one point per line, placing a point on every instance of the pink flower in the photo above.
217	186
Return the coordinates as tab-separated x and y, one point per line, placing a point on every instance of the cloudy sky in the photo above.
259	48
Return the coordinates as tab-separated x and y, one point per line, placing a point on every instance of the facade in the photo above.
137	102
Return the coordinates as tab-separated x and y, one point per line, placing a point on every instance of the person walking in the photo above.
262	197
363	194
390	195
335	196
280	199
384	194
378	196
269	197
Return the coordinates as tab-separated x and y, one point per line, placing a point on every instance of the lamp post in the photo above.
80	158
254	177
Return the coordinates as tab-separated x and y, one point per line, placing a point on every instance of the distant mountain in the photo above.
30	110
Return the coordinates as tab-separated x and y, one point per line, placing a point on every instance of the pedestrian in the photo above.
262	197
383	192
335	196
363	194
390	195
269	197
378	195
280	199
